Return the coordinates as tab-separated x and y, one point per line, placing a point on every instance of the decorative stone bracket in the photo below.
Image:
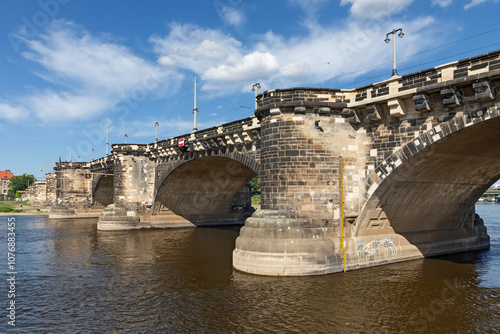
397	107
423	102
484	90
353	115
452	97
374	112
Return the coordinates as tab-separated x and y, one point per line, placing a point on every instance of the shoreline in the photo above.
29	213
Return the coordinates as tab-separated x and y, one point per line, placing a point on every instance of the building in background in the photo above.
5	177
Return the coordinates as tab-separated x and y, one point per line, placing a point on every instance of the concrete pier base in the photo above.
275	243
61	213
116	217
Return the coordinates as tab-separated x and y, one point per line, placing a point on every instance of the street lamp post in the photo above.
126	138
387	40
255	87
156	126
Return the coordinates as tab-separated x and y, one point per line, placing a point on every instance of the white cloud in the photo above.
227	66
374	9
251	67
70	53
88	74
233	16
441	3
62	106
167	61
218	57
310	7
196	49
350	49
296	71
210	87
12	113
474	3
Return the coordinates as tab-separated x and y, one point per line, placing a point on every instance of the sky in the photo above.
71	68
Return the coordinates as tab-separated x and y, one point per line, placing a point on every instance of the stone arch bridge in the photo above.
350	178
201	183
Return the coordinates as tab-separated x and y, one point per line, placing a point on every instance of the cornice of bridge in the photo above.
102	164
61	165
366	104
230	134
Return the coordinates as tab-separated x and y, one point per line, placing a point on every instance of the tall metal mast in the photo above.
195	110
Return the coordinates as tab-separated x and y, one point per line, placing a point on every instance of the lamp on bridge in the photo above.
127	136
255	87
156	126
387	40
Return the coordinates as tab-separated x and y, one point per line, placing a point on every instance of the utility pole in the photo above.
107	139
195	110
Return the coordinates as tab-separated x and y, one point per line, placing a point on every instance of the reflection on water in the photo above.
73	278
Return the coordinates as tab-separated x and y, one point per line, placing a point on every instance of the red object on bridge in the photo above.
181	142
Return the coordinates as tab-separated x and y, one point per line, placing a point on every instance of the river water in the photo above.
72	278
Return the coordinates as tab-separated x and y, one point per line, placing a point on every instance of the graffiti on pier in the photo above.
374	248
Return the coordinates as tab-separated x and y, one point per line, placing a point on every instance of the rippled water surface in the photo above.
72	278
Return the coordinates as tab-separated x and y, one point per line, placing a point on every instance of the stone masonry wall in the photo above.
133	179
301	165
74	184
43	192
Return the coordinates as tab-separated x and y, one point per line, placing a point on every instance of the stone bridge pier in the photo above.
73	189
297	230
133	180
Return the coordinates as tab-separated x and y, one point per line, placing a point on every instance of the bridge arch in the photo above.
426	191
207	188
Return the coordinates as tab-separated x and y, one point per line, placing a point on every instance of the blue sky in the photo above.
69	68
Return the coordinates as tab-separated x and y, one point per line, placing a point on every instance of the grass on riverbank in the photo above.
256	199
11	206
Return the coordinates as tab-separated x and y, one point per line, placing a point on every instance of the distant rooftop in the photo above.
6	175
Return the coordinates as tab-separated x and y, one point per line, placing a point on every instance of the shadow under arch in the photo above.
102	190
207	189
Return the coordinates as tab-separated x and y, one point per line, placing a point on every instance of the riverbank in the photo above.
21	208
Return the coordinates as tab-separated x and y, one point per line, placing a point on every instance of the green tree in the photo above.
20	183
255	184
